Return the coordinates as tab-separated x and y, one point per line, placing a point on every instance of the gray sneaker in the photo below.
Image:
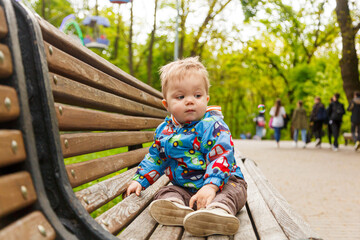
168	213
208	222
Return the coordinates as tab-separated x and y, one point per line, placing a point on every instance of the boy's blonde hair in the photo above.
179	69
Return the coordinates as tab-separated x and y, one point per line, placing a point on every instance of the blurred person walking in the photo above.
299	123
260	122
317	117
336	112
354	107
278	114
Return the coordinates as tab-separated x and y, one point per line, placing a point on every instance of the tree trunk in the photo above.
116	42
43	9
151	46
183	16
349	62
131	68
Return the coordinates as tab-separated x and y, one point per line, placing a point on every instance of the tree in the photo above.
151	46
211	14
130	39
349	61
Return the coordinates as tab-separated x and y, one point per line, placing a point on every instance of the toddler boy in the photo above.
194	149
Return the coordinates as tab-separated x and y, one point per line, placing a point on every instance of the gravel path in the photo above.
321	185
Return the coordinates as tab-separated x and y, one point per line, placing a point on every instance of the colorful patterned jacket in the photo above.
192	155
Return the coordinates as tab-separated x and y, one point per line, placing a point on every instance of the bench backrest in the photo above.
90	121
25	212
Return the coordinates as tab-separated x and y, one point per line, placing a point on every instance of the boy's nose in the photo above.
189	100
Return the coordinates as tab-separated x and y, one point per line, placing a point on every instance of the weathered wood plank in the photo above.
11	147
9	104
167	232
16	192
83	172
95	120
246	230
292	224
101	193
188	236
3	24
6	67
219	237
266	225
75	93
64	64
60	40
81	143
141	228
124	212
29	227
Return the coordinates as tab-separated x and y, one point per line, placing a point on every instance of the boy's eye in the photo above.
180	97
198	95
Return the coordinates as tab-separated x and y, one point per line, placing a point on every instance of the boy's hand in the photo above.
134	187
204	196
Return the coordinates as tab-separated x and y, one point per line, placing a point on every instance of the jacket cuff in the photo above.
216	181
142	180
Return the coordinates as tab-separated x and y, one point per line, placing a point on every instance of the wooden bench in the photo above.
88	122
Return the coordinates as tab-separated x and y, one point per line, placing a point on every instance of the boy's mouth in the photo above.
189	111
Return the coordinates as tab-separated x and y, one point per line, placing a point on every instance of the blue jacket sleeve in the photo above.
218	147
152	166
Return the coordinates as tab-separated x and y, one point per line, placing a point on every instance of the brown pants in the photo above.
231	198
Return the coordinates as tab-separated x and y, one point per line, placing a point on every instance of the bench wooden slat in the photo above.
29	227
9	104
188	236
11	147
101	193
64	64
95	120
266	225
124	212
144	222
6	67
167	232
16	192
246	231
292	224
80	143
80	173
75	93
3	24
60	40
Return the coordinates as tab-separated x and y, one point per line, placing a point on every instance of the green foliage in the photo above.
295	57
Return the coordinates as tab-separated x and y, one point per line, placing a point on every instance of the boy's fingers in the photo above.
192	201
138	190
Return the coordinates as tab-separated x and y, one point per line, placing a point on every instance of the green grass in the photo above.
91	156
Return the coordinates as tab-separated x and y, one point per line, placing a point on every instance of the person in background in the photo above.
278	114
329	131
260	121
299	123
354	107
336	112
317	118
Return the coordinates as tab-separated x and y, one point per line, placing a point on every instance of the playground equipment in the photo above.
98	40
72	28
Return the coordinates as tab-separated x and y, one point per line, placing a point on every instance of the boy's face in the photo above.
187	100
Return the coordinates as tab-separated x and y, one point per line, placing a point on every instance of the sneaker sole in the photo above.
167	213
201	223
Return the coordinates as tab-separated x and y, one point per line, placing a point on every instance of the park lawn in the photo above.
91	156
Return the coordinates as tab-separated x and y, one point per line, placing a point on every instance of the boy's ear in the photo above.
207	98
164	102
